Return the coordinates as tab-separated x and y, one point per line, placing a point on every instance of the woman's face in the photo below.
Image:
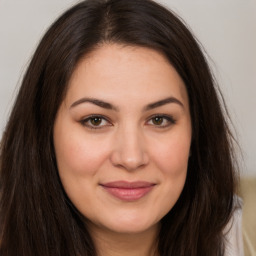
122	138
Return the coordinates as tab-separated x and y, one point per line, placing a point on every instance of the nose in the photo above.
129	150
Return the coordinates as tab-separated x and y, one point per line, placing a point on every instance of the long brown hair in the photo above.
36	216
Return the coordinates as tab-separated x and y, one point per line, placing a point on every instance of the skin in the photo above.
128	143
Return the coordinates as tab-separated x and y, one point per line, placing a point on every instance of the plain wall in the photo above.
226	28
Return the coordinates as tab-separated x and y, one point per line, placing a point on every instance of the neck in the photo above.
110	243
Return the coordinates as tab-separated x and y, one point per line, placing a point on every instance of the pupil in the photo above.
96	120
158	120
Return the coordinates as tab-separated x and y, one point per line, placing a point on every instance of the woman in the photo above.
117	143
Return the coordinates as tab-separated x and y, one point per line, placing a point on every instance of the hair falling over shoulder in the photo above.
36	216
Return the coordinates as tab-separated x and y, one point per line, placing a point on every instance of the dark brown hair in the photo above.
36	217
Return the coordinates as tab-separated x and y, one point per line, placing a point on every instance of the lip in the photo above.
128	191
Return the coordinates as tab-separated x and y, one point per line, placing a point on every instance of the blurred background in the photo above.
226	29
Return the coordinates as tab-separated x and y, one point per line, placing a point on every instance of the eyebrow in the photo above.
96	102
163	102
107	105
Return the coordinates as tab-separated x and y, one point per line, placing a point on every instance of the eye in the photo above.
95	122
161	121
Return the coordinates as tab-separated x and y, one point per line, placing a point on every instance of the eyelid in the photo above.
87	119
169	118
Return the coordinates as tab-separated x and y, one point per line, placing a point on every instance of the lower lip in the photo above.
128	194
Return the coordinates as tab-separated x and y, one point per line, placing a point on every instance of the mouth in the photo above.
128	191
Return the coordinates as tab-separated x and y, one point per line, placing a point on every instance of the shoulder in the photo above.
233	232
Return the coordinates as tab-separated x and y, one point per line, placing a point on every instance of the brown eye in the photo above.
95	121
161	121
158	120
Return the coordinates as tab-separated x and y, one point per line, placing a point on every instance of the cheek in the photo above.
172	158
79	160
172	161
78	155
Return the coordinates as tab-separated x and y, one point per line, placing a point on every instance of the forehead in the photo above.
125	72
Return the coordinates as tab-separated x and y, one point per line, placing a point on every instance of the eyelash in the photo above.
85	122
167	118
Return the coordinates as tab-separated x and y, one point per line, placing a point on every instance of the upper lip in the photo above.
127	184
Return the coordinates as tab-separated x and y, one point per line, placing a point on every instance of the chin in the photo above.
132	226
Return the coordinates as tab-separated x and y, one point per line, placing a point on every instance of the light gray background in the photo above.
226	28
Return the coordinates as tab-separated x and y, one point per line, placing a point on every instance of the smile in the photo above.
128	191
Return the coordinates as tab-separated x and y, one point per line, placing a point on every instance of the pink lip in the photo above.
128	191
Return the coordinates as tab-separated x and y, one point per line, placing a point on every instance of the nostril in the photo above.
128	161
129	149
